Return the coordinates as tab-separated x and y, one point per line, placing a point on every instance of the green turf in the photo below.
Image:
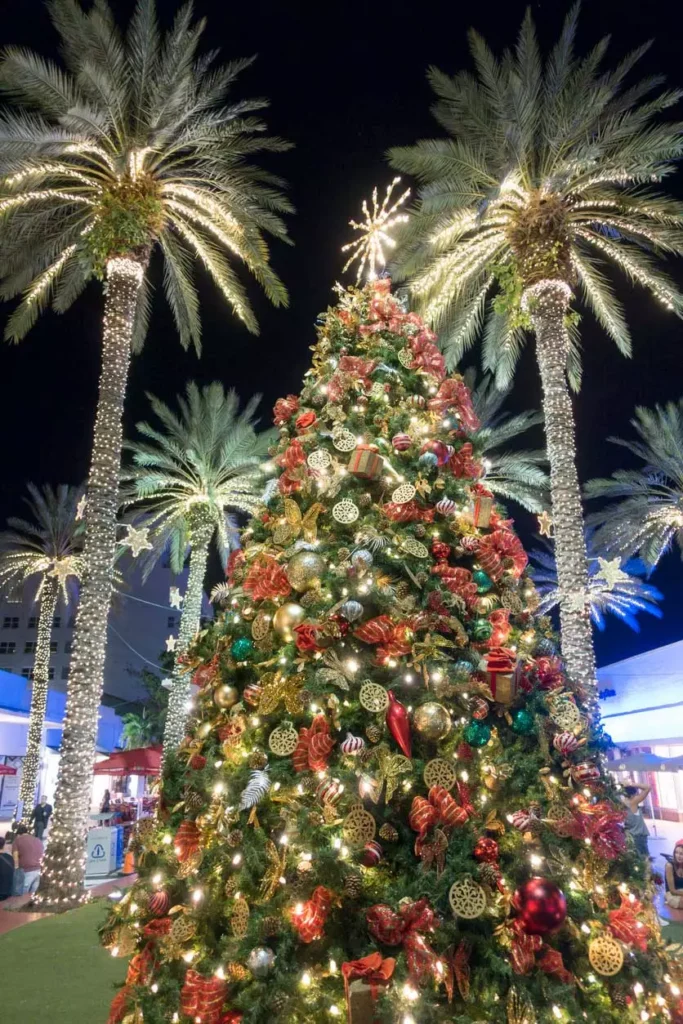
55	970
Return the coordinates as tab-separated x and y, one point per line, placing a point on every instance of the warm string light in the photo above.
63	869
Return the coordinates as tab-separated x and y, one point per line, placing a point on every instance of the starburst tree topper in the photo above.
374	230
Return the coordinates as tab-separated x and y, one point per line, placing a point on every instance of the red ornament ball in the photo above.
159	903
486	850
542	906
372	854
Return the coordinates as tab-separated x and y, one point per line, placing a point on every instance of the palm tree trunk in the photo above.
64	863
190	621
41	672
547	303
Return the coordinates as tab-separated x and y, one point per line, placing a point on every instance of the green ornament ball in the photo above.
242	648
481	630
477	734
463	667
523	722
482	580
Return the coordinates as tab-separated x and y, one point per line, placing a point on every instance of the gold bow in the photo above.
389	768
277	862
294	524
432	648
277	688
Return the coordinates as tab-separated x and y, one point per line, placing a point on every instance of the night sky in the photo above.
345	81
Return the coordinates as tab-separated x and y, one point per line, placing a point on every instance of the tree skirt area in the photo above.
56	970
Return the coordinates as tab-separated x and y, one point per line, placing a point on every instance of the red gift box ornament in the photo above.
405	928
500	668
202	998
374	972
365	463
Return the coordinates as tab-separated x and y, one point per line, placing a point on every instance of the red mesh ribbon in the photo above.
310	920
499	619
284	409
441	551
422	816
236	560
393	639
120	1005
450	815
463	464
440	809
454	394
458	581
549	673
524	948
266	579
552	963
203	997
500	550
408	512
373	969
314	747
625	926
186	842
426	355
405	928
141	967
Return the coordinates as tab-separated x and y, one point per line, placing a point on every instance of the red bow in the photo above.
284	409
141	966
266	579
463	464
426	355
394	639
372	969
203	997
310	920
625	926
499	619
408	512
120	1005
314	747
524	948
500	550
405	928
552	963
549	673
458	581
454	394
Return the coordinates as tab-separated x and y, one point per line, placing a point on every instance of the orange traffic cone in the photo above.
129	863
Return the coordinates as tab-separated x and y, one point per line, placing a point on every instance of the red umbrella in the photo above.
143	761
6	770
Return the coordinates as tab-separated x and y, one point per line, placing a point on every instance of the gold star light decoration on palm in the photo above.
374	238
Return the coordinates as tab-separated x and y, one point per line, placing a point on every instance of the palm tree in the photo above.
624	598
511	474
44	551
546	179
646	514
130	146
204	460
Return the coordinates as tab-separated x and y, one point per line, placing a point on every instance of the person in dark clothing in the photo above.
674	878
634	825
40	817
6	872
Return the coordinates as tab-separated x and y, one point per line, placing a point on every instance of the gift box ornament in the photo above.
481	507
364	981
499	664
365	463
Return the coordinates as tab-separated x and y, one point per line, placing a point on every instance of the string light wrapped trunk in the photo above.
63	873
547	302
41	673
201	533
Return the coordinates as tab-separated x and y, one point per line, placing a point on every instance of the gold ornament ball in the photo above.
304	570
225	696
432	721
204	729
287	617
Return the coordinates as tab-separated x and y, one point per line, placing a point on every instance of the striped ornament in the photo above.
352	744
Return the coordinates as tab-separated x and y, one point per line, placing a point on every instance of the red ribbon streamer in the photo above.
405	928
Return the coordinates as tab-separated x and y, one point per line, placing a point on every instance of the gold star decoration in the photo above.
545	524
611	572
136	539
175	598
80	507
374	237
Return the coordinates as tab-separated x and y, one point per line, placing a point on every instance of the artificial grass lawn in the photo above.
55	970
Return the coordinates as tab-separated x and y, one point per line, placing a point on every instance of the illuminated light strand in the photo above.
48	193
62	880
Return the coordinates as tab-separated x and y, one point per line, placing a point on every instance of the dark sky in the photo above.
346	81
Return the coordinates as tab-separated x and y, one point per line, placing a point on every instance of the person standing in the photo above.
40	815
27	851
633	797
6	872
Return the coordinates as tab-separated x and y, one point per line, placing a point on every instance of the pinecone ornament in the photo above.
343	554
488	874
231	887
278	1002
402	590
271	926
194	801
365	500
258	760
235	837
388	833
420	530
353	886
308	599
237	971
374	733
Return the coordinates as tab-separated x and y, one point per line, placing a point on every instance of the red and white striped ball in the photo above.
352	744
158	904
401	442
446	507
252	694
586	773
469	543
329	791
372	854
523	820
565	743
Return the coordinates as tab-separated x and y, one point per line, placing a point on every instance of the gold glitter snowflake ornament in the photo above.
374	230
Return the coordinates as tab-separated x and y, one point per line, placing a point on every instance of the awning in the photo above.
646	763
142	761
5	769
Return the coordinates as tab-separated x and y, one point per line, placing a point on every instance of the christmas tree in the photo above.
390	805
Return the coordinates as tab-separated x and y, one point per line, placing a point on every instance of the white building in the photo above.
645	716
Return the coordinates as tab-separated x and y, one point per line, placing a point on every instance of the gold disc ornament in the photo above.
359	826
403	494
565	714
373	697
283	740
406	358
439	772
467	899
304	570
319	459
605	955
287	618
239	918
345	511
260	627
415	548
432	721
343	440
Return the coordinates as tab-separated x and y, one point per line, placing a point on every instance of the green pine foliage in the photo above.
417	594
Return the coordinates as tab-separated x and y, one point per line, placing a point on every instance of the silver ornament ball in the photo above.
260	961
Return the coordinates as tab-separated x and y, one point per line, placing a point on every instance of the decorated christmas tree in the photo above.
390	806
